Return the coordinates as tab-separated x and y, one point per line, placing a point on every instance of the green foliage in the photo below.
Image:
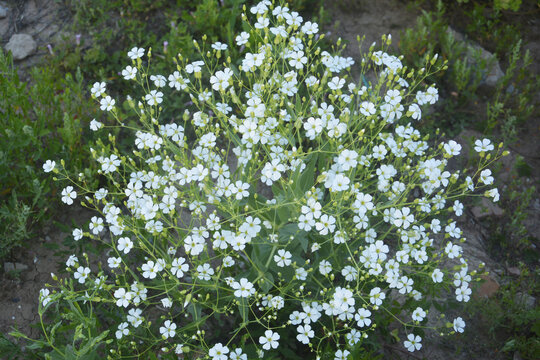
466	68
40	120
500	4
513	324
514	99
511	101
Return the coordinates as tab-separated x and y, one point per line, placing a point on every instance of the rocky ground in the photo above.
28	27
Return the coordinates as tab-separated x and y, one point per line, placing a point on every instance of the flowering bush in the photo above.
286	208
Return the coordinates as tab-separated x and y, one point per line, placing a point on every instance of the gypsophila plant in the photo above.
303	208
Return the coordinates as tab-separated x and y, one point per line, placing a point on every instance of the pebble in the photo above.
21	46
3	12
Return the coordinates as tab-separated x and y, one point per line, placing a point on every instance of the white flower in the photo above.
159	80
135	53
168	329
125	244
166	302
304	333
269	340
49	166
437	276
219	352
418	314
325	267
243	288
463	293
81	274
179	267
122	330
107	103
98	89
95	125
341	355
123	297
72	260
242	39
205	272
362	317
68	194
485	177
154	98
114	262
129	72
459	325
483	145
44	296
96	225
219	46
413	343
283	258
494	193
237	354
452	148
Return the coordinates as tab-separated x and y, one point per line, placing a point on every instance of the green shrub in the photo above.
302	207
38	120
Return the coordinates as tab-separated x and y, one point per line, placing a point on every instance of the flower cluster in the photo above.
287	197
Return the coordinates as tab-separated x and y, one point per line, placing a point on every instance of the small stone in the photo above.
517	356
514	271
486	208
21	267
3	12
8	267
21	46
526	300
488	288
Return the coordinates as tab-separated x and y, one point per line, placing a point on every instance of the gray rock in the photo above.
21	267
21	46
3	12
486	208
526	300
9	266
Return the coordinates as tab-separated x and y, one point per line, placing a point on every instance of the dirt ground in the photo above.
45	21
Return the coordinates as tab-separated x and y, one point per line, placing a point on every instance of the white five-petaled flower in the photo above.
154	98
168	329
483	145
129	72
269	340
242	39
283	258
304	333
98	89
123	297
107	103
413	342
219	352
243	288
68	194
81	274
135	53
49	166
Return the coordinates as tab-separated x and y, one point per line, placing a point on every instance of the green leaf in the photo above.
307	177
